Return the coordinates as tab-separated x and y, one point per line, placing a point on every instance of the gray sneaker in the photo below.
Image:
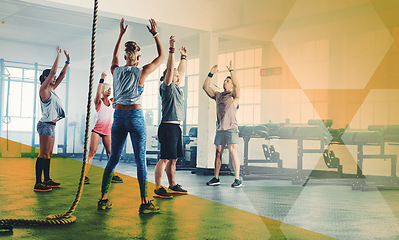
148	208
237	183
104	204
214	181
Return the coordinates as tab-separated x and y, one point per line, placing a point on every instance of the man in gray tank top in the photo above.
169	131
227	128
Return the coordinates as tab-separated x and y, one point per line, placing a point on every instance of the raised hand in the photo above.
172	41
67	56
183	50
230	67
122	27
58	50
154	28
103	75
214	69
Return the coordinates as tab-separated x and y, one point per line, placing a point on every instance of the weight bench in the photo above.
369	138
301	134
271	156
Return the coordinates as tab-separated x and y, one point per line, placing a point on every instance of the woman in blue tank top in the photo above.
128	84
52	111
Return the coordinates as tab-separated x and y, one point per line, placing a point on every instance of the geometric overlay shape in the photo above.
333	44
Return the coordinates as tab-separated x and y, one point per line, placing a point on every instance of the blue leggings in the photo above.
127	121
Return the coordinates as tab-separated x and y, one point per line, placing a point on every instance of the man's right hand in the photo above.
214	69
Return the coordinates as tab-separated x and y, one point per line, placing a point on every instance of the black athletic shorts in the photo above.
101	135
170	138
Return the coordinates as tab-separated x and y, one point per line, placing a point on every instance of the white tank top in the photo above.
104	119
52	108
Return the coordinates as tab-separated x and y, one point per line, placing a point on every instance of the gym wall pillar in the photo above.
207	106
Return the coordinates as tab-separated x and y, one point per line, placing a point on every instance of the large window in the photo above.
192	91
18	110
247	65
150	98
19	101
18	95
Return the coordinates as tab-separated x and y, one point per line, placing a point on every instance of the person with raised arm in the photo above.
128	82
52	111
169	131
102	128
227	128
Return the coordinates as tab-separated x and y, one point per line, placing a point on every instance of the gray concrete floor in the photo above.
333	210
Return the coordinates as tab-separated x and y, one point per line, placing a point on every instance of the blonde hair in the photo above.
106	86
131	50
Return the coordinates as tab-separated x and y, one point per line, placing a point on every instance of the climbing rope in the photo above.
67	218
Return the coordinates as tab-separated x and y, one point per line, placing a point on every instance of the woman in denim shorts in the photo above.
52	111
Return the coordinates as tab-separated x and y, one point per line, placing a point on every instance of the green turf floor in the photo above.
183	217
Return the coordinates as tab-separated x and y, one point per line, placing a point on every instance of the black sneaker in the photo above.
87	180
104	204
148	208
162	193
214	181
51	183
40	187
177	189
116	179
237	183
